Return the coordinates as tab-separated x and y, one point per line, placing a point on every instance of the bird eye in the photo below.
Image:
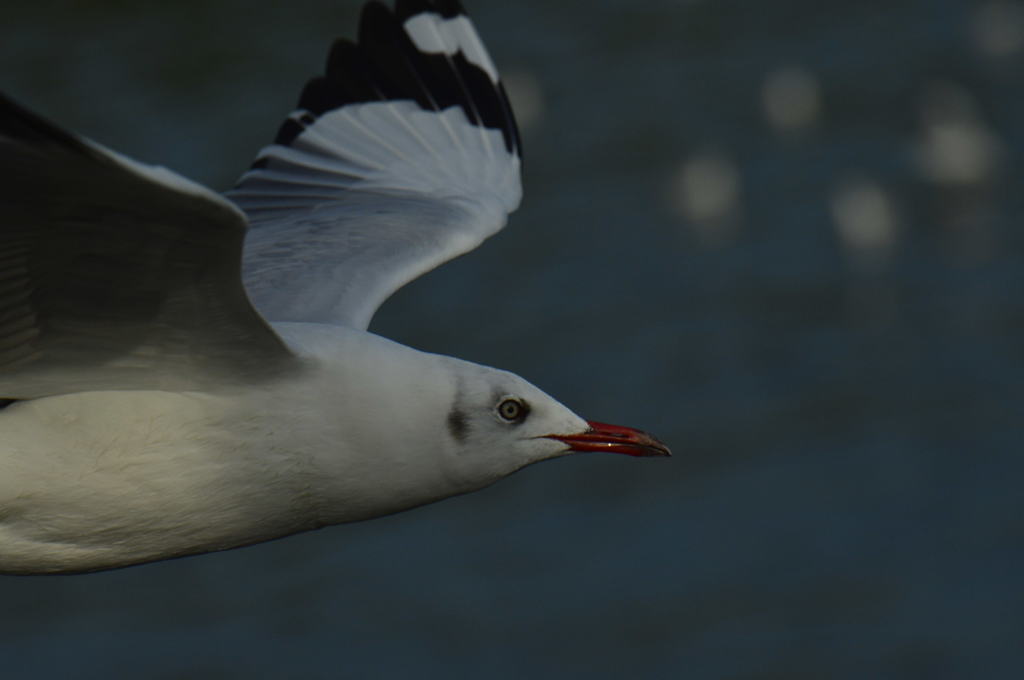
513	410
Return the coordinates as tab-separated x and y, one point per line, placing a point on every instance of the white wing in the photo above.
116	275
403	156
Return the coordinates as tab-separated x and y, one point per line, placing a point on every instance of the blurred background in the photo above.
786	237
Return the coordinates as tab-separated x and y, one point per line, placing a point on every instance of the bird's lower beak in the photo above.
613	439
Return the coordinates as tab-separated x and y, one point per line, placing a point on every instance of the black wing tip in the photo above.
513	140
373	14
385	65
448	9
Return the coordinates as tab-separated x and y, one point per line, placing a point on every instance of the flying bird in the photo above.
183	372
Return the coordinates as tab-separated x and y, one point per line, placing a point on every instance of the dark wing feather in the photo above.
402	156
116	275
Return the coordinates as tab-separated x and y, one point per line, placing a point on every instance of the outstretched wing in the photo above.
403	156
116	275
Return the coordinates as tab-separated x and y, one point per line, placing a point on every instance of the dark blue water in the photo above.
786	237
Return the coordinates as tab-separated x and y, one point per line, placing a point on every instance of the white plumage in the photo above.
148	410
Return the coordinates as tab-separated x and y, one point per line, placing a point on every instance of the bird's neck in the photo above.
363	422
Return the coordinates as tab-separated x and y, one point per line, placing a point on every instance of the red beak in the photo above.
613	439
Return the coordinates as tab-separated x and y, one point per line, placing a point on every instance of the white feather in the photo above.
436	35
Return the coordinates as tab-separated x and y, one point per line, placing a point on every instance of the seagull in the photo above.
183	372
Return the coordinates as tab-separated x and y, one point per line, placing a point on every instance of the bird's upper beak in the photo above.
613	439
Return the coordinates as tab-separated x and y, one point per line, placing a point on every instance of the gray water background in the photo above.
820	309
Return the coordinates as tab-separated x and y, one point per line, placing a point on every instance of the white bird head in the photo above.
424	426
501	423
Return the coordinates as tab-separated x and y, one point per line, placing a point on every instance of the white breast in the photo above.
100	479
104	478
